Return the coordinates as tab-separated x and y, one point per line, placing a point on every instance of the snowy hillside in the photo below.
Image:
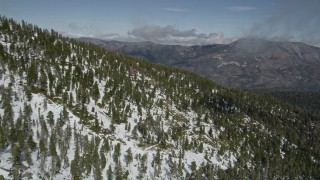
71	110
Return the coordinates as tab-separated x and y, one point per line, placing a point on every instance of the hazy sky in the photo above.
184	22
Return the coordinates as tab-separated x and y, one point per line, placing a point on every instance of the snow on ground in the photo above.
41	106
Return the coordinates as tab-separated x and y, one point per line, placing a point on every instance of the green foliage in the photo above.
75	168
309	101
52	146
2	139
129	157
157	159
143	166
50	118
193	166
42	147
110	173
103	160
43	81
32	74
15	153
1	51
116	153
32	145
95	92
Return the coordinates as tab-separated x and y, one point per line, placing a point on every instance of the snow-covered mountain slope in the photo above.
71	110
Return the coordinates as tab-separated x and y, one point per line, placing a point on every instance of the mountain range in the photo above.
248	63
73	110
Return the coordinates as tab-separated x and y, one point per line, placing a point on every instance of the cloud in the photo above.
73	35
292	20
150	32
178	10
158	34
78	29
240	8
109	36
171	35
74	27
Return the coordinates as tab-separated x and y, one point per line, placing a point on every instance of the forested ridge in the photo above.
309	101
71	109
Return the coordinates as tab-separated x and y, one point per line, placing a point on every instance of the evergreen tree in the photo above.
42	147
95	91
32	75
2	138
110	173
129	157
31	144
103	160
143	166
16	155
193	166
75	167
1	52
52	145
43	81
7	111
116	153
50	118
118	172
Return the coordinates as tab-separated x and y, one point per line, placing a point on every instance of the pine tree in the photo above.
7	110
2	138
143	166
95	91
31	144
16	154
129	157
1	52
118	172
116	153
158	157
50	118
193	166
97	171
42	147
52	144
110	173
27	110
43	81
75	168
32	75
103	160
200	147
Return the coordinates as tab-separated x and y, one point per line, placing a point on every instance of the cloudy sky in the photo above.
185	22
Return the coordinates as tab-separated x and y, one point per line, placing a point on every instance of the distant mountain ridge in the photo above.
247	63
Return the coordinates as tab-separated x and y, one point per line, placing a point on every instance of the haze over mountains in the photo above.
247	63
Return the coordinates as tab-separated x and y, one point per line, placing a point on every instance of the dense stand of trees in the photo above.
309	101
